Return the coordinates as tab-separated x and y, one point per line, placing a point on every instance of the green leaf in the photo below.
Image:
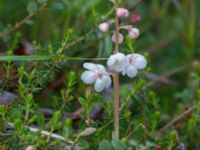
29	99
31	7
57	5
105	145
6	37
2	109
83	144
82	101
133	142
29	22
139	86
56	116
118	145
18	124
35	57
41	1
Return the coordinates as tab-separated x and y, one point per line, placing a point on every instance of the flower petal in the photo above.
111	61
117	62
120	36
104	27
122	12
131	71
101	69
107	80
99	85
140	61
120	56
88	77
133	33
90	66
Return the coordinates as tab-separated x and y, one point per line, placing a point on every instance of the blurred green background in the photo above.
169	38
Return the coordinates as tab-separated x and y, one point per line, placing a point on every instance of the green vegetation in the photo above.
44	103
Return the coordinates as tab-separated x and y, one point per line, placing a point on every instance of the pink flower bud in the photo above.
120	36
133	33
104	27
135	18
122	12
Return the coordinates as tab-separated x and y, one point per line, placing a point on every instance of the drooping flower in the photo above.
122	12
130	70
104	27
135	18
96	74
133	33
135	62
120	38
117	62
138	60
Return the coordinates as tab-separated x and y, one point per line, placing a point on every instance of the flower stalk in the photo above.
116	78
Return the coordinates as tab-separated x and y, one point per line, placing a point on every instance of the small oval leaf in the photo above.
88	131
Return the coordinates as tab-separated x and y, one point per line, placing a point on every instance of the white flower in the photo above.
120	38
138	60
122	12
130	70
96	74
133	33
135	61
104	27
117	62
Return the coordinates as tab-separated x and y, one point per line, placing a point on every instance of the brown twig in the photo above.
161	79
164	78
163	43
137	3
176	119
24	20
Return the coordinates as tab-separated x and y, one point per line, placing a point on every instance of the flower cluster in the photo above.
126	64
98	75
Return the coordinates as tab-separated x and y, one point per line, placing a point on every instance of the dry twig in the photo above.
176	119
45	133
23	21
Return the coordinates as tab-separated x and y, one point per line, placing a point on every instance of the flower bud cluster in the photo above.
133	32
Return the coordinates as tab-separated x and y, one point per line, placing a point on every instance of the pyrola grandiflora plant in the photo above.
117	63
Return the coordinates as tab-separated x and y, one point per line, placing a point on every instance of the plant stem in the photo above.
116	106
116	79
116	28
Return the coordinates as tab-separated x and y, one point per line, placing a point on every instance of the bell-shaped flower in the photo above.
120	38
96	74
117	62
104	27
135	18
130	70
133	33
122	12
135	62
